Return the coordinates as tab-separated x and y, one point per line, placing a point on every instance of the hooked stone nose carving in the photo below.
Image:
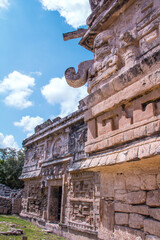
80	78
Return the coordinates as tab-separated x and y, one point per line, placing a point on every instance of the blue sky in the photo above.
33	58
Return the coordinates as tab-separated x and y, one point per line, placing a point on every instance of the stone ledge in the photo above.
122	88
127	134
123	207
126	153
27	175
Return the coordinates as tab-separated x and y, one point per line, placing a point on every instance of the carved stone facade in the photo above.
100	166
84	192
122	116
55	195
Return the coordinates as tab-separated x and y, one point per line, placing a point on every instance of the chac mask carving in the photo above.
126	40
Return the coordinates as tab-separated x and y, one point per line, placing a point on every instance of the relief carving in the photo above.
53	171
48	148
39	155
57	147
129	45
80	78
81	213
138	118
148	24
29	155
83	189
36	202
77	142
34	154
107	58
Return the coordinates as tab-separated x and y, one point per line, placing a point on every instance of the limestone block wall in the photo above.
130	203
10	200
5	205
16	205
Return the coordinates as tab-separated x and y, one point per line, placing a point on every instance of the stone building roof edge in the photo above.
28	175
56	126
133	152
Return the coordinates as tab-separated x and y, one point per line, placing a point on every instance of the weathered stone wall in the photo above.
16	205
130	200
10	200
8	192
54	193
5	205
34	201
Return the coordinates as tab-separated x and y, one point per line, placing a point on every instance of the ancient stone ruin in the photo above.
95	174
10	200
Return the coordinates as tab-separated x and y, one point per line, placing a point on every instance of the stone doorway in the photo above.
55	204
59	202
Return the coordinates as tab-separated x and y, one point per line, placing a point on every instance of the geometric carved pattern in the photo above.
82	200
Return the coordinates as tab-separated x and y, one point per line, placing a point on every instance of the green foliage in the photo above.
11	164
30	230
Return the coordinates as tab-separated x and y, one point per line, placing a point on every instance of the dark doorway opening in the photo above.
59	202
55	204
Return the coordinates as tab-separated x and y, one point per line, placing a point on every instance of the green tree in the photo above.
11	164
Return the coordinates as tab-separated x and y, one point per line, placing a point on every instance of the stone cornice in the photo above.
55	127
103	15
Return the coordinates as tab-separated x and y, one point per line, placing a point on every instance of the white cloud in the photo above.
4	4
59	92
17	87
8	141
74	11
29	123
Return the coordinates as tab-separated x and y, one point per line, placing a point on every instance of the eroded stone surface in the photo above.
152	227
136	221
121	218
153	198
10	200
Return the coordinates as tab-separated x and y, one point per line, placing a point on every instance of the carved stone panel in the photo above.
137	118
148	24
84	200
81	215
77	139
107	58
34	154
53	171
57	147
35	201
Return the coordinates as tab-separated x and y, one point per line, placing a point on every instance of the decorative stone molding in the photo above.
80	78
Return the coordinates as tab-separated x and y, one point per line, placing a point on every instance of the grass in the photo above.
30	230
